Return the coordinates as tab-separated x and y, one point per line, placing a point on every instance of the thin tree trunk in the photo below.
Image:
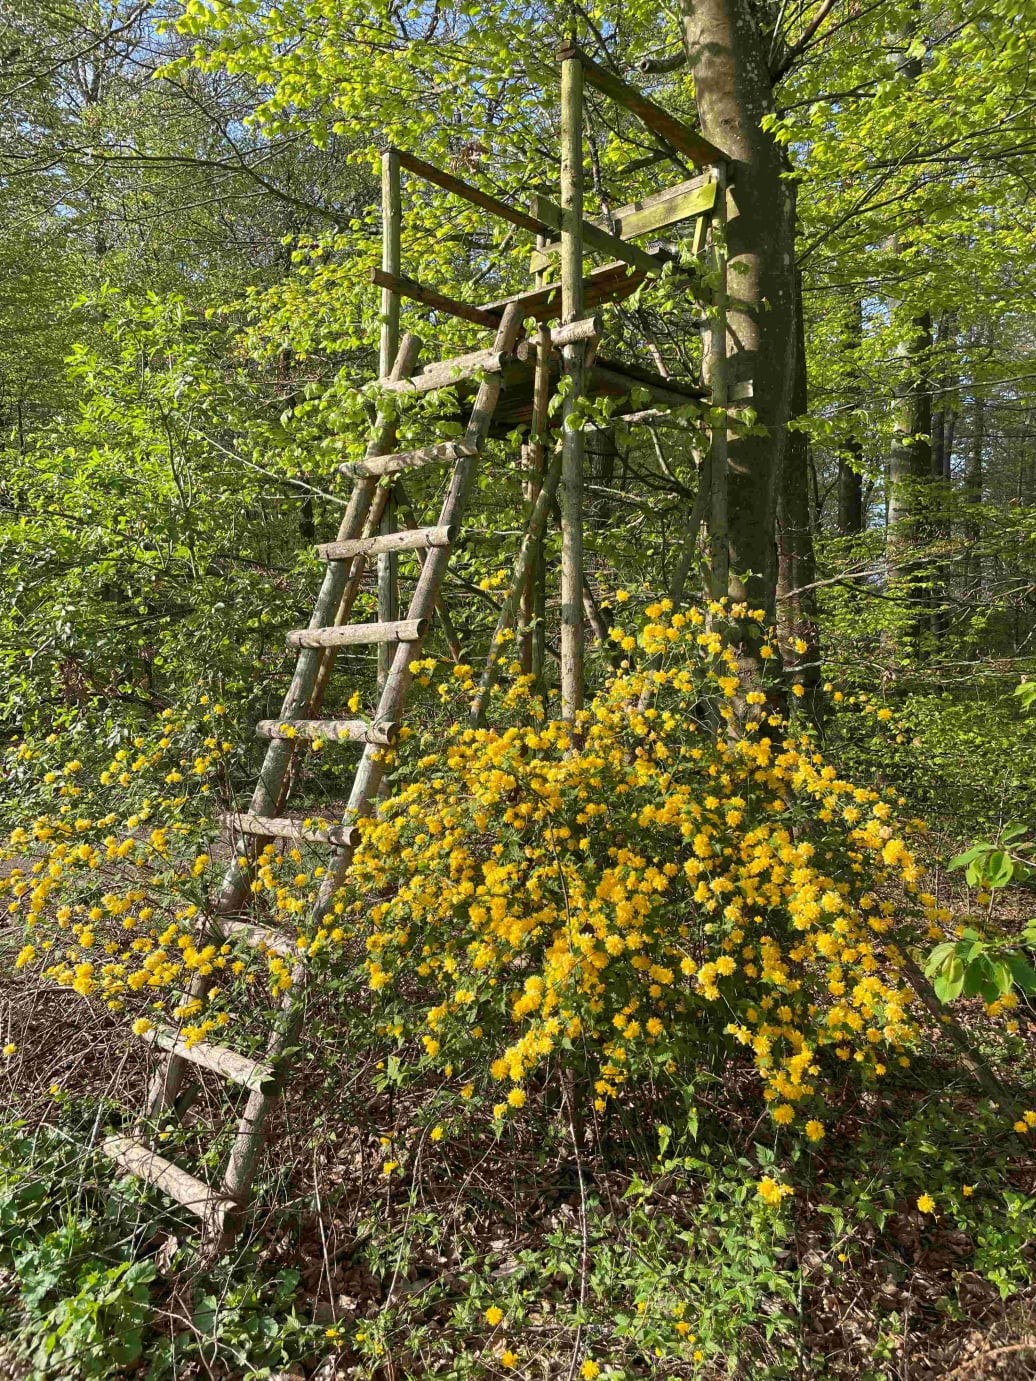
910	455
974	483
941	450
797	628
850	459
910	467
574	356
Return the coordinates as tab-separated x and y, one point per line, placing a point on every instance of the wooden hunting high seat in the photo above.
505	386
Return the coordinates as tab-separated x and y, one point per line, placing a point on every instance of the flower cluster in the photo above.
610	893
111	883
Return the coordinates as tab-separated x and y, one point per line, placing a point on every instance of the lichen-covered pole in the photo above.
574	357
391	256
533	641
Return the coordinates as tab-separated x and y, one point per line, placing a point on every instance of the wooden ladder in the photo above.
221	1208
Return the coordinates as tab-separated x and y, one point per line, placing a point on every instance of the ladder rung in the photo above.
408	539
350	634
441	453
334	730
284	827
444	373
194	1194
239	1069
257	935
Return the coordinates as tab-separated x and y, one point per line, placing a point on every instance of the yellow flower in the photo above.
967	1190
926	1203
10	1049
389	1166
516	1098
141	1026
771	1191
437	1133
815	1130
783	1114
494	1315
589	1369
508	1359
621	596
798	690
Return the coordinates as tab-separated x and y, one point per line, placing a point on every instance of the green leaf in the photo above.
950	982
999	868
969	856
977	975
938	957
1022	972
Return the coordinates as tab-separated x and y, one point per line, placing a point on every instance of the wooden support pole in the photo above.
678	135
391	257
406	511
519	584
719	548
574	362
533	611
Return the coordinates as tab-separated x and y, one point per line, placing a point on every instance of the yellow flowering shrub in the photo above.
110	875
617	895
638	894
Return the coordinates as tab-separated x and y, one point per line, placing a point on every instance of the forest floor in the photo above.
347	1272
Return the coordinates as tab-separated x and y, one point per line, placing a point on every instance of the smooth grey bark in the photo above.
733	91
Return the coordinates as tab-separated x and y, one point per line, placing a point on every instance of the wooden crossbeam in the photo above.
417	292
625	379
473	194
609	283
673	204
546	211
651	213
695	146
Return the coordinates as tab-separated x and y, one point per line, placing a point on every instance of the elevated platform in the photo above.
607	378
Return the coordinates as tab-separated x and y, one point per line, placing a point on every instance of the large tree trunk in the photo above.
734	92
